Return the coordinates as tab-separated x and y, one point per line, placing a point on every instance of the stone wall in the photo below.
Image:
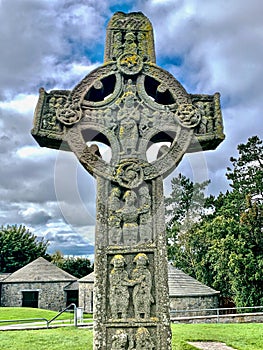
231	318
86	296
51	294
193	303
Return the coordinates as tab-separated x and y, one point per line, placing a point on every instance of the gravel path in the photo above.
210	345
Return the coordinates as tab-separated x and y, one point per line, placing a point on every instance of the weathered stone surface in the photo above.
129	104
12	294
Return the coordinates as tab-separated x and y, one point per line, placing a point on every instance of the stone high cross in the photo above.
129	104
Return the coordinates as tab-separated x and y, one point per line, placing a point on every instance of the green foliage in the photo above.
18	247
224	247
76	266
183	208
246	176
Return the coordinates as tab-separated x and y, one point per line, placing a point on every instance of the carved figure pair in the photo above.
141	280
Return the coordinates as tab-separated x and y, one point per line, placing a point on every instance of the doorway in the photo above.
30	299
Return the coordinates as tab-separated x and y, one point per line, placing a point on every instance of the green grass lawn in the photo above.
243	336
19	313
240	336
56	339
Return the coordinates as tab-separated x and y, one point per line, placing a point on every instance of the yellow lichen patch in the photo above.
141	256
129	60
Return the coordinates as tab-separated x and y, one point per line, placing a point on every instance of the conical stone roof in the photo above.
89	278
4	276
182	285
40	270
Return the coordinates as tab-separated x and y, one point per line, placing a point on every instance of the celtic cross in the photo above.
129	104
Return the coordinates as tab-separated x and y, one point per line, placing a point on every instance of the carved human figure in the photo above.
110	119
202	127
114	200
114	219
130	45
50	121
119	283
129	87
119	340
142	44
147	120
143	339
50	117
128	117
141	295
145	227
210	123
129	214
117	45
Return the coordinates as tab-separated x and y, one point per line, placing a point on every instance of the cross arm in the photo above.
47	129
49	132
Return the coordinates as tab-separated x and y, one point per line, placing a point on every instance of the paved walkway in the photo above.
210	345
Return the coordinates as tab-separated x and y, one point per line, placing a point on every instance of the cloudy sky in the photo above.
207	45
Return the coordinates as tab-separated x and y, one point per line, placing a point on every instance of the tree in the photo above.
18	247
76	266
247	173
183	208
224	247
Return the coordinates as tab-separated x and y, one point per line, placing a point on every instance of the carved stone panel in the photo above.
130	213
132	338
131	287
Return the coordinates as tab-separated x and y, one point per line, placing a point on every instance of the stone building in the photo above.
185	292
39	284
86	292
44	285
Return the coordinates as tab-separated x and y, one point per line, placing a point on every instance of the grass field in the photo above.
239	336
19	313
15	313
56	339
243	336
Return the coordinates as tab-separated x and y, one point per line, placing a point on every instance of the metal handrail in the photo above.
173	312
216	314
25	320
61	312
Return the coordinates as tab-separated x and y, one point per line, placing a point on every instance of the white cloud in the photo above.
34	152
22	103
208	46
